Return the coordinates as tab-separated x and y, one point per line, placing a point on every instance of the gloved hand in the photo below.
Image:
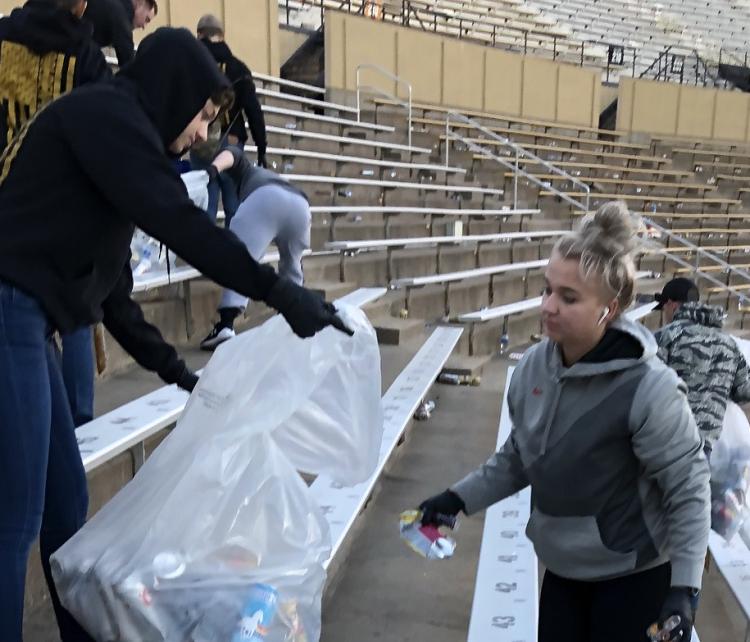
682	601
305	311
262	158
187	380
446	503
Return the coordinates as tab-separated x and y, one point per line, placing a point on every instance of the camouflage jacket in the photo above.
708	361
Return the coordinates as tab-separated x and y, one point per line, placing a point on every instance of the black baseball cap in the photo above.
679	289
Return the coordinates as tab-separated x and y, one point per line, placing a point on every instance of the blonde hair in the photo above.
604	245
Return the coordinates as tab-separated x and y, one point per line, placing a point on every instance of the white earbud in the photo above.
605	312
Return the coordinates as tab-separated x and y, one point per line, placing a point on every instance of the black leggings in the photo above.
618	610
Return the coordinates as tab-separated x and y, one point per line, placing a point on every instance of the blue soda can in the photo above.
257	614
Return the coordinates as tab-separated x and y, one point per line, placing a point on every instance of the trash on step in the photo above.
426	539
459	380
424	411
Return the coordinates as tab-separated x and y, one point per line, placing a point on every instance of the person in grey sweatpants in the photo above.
270	210
603	434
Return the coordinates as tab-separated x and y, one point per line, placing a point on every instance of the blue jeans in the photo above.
78	374
222	184
42	481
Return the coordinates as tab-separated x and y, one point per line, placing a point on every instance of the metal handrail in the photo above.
519	154
728	267
398	80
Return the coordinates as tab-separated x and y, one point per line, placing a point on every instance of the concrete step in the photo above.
331	290
394	331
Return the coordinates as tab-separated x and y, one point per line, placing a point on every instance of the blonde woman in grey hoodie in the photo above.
603	434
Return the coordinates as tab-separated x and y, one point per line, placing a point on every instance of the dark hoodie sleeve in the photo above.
122	36
253	111
117	148
91	65
123	318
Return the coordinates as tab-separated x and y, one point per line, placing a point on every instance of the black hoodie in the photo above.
102	151
112	21
245	97
44	53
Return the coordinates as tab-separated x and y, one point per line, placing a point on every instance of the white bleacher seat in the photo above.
341	158
127	427
441	211
506	603
354	246
341	505
321	104
365	182
282	111
449	277
733	562
347	140
283	82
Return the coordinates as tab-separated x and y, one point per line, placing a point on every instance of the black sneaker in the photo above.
218	335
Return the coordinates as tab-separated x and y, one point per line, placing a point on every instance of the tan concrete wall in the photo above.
289	42
647	106
251	26
449	72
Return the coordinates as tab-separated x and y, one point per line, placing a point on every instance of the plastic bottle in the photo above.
424	411
664	634
259	610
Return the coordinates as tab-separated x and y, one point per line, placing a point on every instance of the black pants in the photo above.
618	610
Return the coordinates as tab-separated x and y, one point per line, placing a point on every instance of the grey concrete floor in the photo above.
383	592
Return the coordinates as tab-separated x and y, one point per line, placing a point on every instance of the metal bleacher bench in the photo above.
506	603
382	244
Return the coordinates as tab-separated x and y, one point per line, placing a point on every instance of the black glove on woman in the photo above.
446	503
682	601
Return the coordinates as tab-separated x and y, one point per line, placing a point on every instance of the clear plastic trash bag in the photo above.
219	514
730	474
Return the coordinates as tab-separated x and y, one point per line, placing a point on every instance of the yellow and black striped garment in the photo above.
28	81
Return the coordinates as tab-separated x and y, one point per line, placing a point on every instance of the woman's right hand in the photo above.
446	503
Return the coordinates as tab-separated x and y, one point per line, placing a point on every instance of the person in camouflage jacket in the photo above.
708	360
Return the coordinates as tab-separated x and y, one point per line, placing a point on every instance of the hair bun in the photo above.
611	231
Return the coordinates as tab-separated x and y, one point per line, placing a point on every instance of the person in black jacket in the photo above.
73	185
233	131
115	20
45	51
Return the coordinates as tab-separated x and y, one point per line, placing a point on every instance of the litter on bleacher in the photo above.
218	537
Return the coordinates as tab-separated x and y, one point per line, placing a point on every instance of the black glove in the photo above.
305	311
187	380
213	172
682	601
446	503
262	158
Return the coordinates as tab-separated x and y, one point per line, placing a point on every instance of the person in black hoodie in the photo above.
233	132
45	51
114	21
48	40
104	152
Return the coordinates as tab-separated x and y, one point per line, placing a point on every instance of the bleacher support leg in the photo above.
139	456
187	297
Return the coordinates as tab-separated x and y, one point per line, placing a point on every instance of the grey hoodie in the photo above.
610	448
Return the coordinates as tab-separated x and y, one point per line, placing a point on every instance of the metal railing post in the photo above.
447	137
515	184
554	47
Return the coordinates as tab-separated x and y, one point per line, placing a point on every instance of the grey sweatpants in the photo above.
272	213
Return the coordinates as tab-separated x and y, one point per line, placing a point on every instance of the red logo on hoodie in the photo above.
536	391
